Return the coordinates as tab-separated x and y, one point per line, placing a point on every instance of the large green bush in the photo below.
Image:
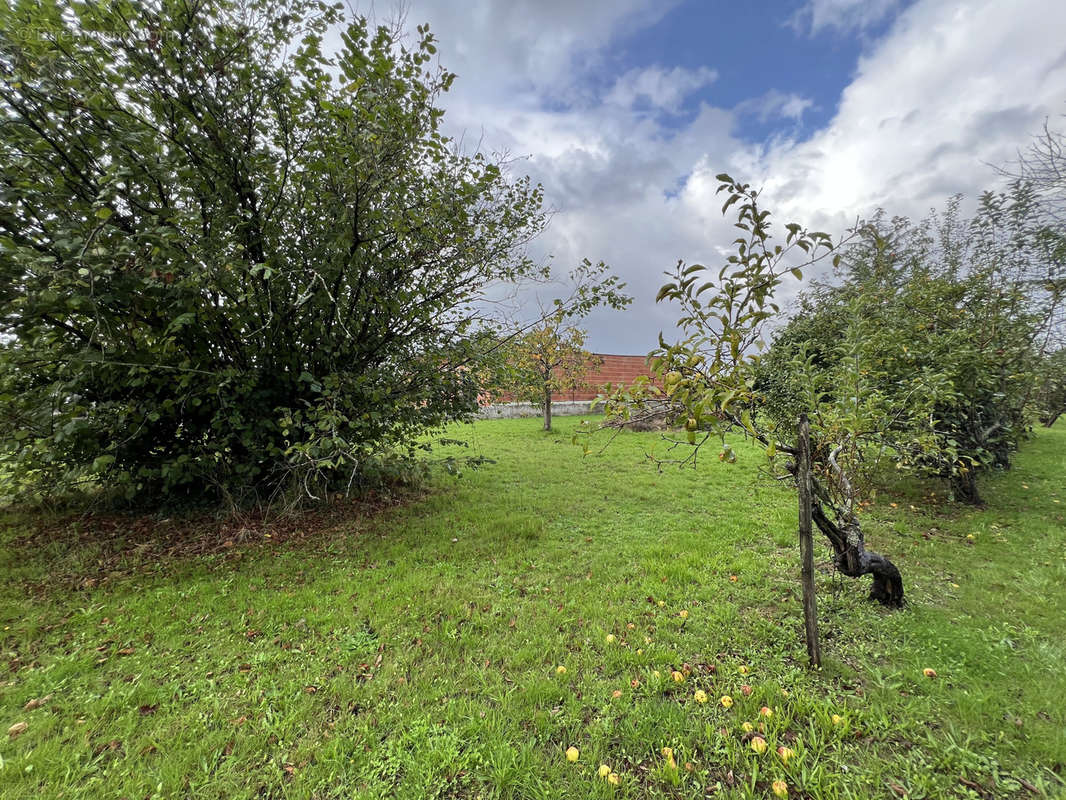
231	265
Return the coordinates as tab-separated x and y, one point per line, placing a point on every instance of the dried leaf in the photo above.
37	702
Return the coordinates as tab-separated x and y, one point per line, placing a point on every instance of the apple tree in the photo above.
709	384
1050	395
546	357
944	324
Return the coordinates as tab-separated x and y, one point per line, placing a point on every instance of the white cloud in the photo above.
776	103
658	87
952	88
527	50
844	15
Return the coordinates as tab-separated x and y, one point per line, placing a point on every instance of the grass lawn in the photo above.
458	644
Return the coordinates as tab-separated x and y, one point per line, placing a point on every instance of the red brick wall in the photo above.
616	370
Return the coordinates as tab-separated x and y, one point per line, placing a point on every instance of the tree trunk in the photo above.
806	542
964	488
851	556
547	409
854	560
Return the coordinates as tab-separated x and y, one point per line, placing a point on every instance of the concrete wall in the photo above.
560	408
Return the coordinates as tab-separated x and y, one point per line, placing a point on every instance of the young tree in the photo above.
709	382
1050	395
542	359
1042	165
232	265
547	360
1041	169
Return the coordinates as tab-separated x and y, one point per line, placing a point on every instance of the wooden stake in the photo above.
806	541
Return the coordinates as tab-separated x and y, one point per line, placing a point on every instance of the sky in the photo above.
625	110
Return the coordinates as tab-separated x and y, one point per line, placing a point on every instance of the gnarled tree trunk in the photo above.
851	556
854	560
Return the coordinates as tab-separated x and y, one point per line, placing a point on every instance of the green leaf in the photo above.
103	462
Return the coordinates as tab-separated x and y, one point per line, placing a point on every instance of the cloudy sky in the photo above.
626	109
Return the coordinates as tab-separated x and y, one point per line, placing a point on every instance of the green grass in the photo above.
412	652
